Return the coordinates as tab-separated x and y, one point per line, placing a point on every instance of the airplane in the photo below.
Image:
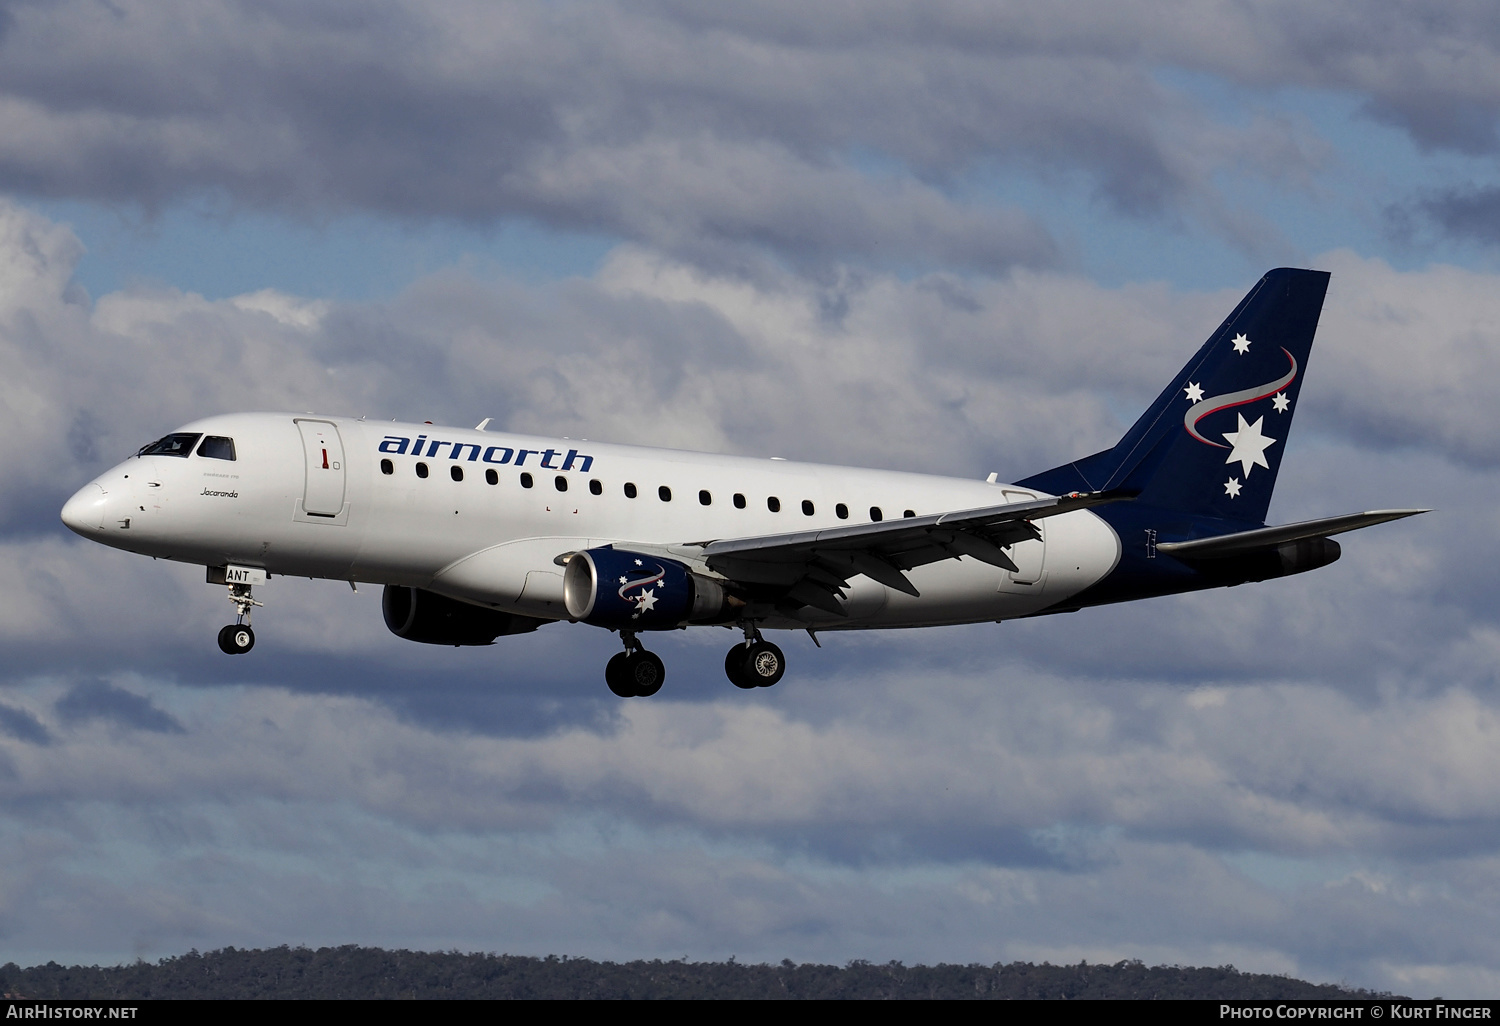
476	535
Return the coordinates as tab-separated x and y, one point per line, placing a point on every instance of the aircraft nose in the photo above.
84	512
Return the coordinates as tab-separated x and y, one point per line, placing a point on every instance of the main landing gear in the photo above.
238	638
755	664
634	673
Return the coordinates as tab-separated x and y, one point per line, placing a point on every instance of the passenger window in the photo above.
491	477
421	470
596	488
704	499
841	511
664	493
807	507
456	472
773	504
909	513
217	447
629	490
525	480
387	467
739	501
172	445
561	482
876	515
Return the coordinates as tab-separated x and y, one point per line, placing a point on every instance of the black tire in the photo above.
647	672
734	668
236	639
764	664
617	676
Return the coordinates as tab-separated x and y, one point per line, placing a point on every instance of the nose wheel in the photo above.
236	639
634	673
756	664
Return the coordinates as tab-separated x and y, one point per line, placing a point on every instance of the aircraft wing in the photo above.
811	568
1269	537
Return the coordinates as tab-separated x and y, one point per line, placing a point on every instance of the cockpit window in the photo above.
172	445
217	447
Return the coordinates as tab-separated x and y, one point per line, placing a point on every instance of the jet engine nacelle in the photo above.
433	619
620	589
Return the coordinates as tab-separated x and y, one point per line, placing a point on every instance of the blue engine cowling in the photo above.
620	589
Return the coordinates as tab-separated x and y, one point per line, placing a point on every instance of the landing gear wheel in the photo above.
236	639
617	677
646	672
764	664
637	674
734	668
756	665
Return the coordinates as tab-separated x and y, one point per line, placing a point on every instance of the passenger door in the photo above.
323	450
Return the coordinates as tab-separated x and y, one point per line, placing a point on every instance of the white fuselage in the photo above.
308	496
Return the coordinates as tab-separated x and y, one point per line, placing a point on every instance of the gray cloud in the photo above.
703	130
97	700
1266	825
23	725
1470	213
763	130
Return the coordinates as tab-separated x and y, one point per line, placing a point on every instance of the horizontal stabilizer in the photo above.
1266	537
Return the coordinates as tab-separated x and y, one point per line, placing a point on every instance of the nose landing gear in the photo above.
634	673
238	638
755	664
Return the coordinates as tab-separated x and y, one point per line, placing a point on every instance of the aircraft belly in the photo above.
961	590
517	577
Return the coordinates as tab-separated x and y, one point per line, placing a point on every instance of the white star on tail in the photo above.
1232	487
1281	402
1241	344
1194	392
1249	445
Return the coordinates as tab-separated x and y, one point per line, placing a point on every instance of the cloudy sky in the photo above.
950	236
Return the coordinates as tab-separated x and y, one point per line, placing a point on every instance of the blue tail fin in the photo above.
1212	442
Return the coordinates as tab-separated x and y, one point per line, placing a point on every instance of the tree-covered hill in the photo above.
359	972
